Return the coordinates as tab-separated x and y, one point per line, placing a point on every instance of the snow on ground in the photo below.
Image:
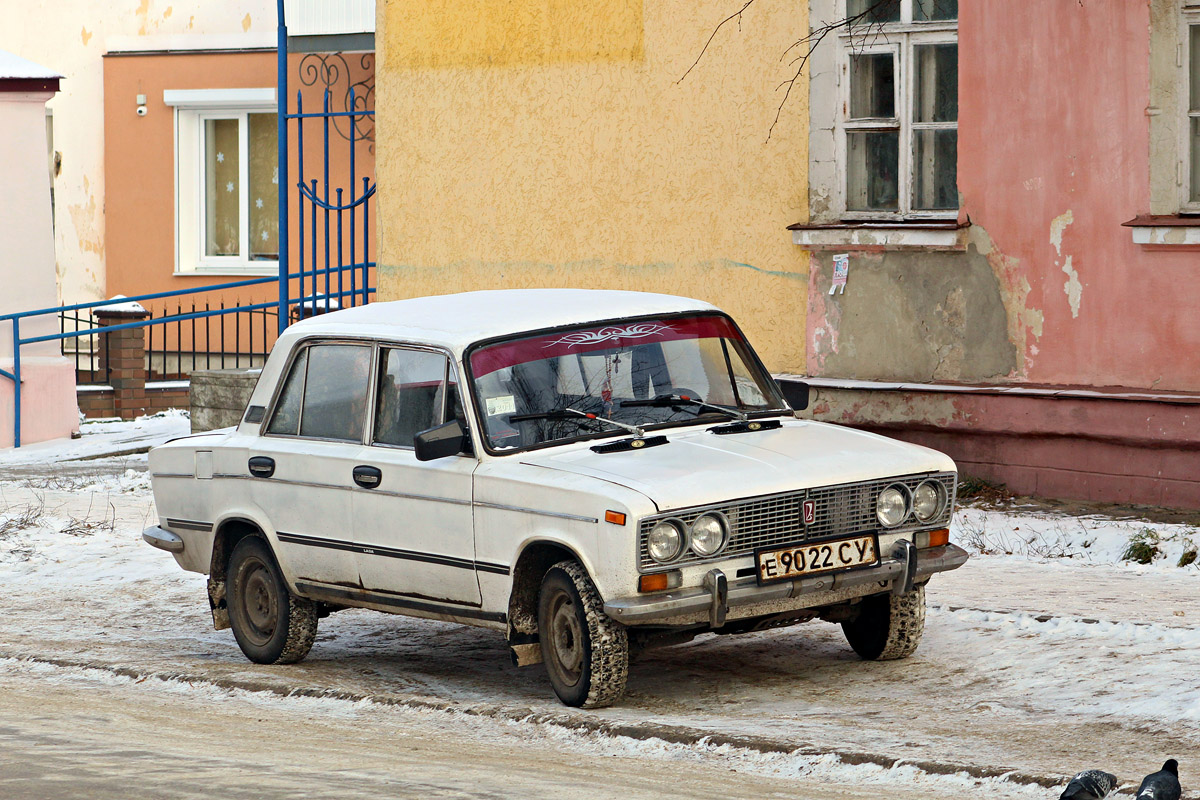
1048	628
101	438
1047	536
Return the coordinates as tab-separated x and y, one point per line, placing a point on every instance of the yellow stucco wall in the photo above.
525	143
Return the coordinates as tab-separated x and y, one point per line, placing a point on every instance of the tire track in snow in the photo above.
570	722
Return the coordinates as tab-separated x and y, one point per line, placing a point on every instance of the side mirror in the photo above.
795	392
447	439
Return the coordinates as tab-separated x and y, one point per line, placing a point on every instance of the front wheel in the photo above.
271	625
889	626
585	651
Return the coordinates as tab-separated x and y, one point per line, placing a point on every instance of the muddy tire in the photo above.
271	625
889	626
585	651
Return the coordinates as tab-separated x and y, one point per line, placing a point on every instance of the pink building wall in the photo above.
1041	347
1053	126
27	274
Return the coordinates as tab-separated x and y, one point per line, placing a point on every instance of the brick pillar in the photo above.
125	360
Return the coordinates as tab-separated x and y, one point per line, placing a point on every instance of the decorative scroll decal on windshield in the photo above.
583	340
611	333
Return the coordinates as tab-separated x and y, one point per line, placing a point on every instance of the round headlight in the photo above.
708	535
665	541
892	506
927	501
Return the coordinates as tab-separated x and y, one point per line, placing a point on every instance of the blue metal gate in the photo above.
335	264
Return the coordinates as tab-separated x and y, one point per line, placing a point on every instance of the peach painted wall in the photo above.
1053	157
71	36
140	166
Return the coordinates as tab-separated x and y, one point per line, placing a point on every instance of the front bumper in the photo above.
714	600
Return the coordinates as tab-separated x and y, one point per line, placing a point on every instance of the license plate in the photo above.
810	558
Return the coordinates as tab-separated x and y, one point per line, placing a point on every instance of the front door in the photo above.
413	526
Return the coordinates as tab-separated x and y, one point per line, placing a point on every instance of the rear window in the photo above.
325	395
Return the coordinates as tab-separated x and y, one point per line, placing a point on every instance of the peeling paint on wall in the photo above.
1073	288
1023	321
918	315
85	36
1058	226
143	14
824	321
246	23
87	222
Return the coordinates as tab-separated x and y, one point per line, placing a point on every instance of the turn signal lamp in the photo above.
615	517
660	581
934	538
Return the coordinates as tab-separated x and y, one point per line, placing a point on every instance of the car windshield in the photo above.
612	378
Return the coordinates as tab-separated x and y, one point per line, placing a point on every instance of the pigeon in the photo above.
1091	784
1161	785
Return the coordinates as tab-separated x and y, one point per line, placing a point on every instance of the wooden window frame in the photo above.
900	38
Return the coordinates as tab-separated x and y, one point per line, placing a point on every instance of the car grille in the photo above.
757	523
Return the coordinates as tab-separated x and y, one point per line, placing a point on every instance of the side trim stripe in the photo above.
313	590
428	498
391	552
189	525
523	510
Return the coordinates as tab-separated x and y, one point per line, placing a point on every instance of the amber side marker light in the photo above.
660	581
615	517
939	537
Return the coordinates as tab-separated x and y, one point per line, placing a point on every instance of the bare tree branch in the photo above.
813	40
736	15
860	24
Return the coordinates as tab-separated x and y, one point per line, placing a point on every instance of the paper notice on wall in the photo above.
841	269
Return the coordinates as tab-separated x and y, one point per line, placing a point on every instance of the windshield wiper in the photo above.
574	413
676	399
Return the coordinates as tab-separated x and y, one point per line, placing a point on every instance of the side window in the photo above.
335	392
411	395
287	413
325	395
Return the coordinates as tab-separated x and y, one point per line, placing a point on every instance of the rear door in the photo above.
413	528
302	467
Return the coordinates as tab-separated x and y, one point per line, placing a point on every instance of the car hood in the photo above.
698	467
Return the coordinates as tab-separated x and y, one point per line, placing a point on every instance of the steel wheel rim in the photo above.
260	602
566	638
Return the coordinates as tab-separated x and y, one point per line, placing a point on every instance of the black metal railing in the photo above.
197	339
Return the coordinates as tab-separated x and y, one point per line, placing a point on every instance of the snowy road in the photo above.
1036	667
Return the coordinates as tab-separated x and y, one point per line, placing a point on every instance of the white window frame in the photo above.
192	108
1189	19
899	38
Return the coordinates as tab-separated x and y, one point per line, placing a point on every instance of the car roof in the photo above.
455	321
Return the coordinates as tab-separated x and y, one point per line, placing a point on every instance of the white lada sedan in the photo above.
587	472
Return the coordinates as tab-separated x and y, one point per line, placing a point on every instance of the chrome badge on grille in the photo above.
810	512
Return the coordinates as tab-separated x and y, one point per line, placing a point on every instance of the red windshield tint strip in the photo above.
604	337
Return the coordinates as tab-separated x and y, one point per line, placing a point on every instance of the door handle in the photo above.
262	466
367	477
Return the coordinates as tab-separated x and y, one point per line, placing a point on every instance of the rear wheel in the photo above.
271	625
585	651
889	626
